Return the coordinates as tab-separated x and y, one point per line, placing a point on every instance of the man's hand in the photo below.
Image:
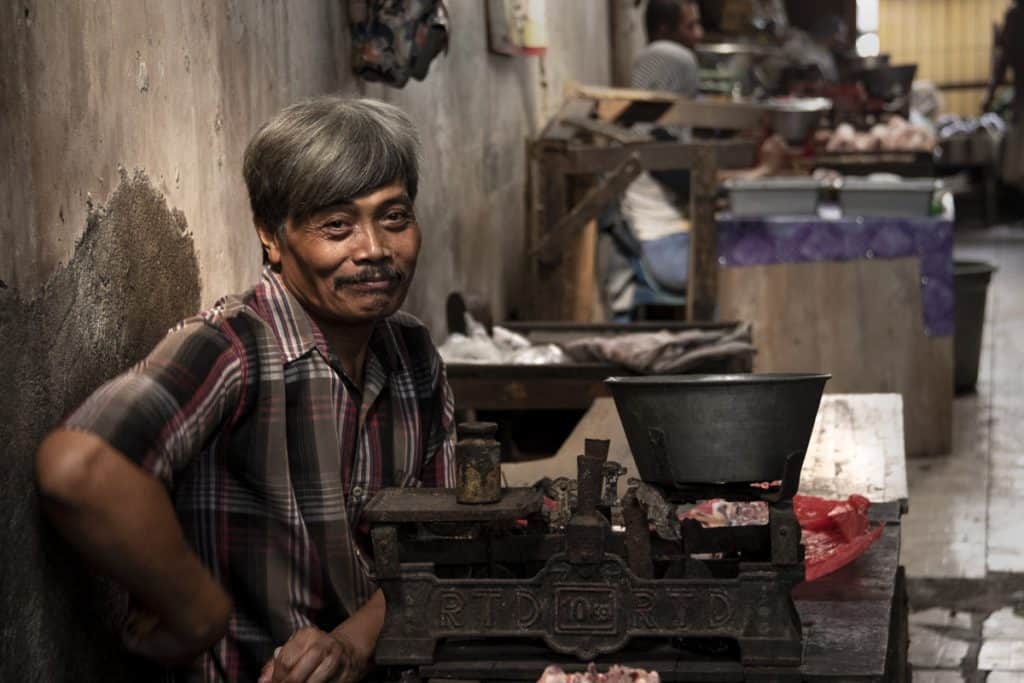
774	154
341	656
313	656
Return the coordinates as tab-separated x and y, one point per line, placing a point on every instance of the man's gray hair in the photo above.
324	151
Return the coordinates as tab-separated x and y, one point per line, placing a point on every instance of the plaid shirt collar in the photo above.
298	334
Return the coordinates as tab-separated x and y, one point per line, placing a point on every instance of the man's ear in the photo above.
271	246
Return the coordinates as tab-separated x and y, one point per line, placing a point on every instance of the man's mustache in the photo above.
384	272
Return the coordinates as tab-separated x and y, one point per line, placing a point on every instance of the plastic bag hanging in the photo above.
393	40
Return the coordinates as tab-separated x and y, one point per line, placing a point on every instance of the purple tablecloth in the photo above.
750	241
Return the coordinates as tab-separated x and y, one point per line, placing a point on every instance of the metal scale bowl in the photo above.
704	430
508	593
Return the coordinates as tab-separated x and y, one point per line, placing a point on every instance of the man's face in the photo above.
350	263
689	32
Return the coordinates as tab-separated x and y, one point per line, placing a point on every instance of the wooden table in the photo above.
824	296
855	620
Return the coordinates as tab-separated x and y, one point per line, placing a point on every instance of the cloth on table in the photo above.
663	352
501	346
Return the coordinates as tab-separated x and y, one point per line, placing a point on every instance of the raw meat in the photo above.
895	135
616	674
834	532
718	513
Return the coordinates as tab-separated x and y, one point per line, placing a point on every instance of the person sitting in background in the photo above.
1009	55
222	480
655	205
818	48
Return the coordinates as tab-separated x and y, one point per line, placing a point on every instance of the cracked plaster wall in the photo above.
113	110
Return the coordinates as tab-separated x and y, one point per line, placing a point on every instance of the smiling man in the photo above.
222	480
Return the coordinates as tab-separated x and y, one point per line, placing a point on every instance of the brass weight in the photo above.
477	463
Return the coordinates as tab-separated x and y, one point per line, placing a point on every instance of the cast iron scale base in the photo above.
488	592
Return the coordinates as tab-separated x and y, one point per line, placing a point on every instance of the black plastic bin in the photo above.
970	287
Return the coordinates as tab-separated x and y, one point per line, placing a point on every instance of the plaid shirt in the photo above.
270	454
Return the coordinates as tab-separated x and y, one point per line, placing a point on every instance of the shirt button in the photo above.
357	492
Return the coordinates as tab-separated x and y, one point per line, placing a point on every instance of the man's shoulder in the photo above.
668	49
229	307
235	316
666	65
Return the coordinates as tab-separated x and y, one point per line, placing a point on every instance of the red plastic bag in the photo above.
835	532
813	513
826	551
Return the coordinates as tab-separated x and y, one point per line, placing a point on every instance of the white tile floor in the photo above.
932	650
1004	624
1000	677
937	676
965	527
981	527
938	617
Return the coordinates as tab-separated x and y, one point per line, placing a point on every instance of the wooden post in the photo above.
553	190
624	14
701	291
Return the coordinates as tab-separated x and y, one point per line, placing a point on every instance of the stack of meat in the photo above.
897	135
616	674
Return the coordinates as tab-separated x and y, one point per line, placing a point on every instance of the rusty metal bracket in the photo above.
549	251
586	534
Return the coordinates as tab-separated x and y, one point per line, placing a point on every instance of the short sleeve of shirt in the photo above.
162	412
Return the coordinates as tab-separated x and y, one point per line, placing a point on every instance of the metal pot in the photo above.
704	429
796	119
889	82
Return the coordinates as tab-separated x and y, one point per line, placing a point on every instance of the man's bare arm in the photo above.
363	628
122	520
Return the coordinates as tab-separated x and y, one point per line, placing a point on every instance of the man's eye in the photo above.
337	224
397	216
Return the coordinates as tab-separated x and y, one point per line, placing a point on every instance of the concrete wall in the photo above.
122	125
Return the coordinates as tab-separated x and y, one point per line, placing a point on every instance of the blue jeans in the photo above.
667	260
